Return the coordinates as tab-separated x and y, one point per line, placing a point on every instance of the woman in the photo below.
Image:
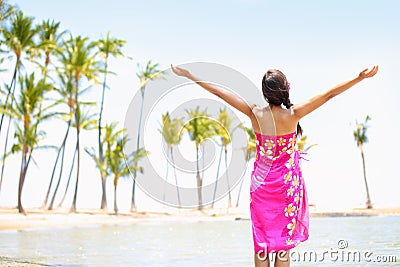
278	198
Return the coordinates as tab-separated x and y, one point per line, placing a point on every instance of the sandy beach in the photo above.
11	220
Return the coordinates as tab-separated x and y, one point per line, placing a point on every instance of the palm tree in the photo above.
108	47
171	132
18	37
108	140
199	128
66	97
66	92
360	136
301	144
224	130
120	164
28	111
49	39
61	149
87	122
210	132
148	73
250	152
116	163
79	57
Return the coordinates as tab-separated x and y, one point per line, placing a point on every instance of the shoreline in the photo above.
11	220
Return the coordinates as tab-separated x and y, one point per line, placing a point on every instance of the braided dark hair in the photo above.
275	88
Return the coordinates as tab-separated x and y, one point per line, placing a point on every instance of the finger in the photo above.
373	71
376	69
364	70
370	71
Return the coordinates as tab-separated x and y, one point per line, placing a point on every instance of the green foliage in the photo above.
301	144
250	150
149	72
19	34
49	41
360	133
171	130
78	58
110	46
6	10
199	126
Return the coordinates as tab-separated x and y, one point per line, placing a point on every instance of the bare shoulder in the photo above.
257	110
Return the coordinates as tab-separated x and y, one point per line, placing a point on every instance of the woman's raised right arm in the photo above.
301	110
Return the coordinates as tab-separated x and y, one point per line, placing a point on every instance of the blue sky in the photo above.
316	44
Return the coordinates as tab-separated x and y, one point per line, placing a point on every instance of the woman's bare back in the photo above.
273	120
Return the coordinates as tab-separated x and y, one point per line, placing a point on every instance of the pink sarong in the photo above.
278	197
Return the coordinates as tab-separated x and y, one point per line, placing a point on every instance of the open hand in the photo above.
180	71
368	74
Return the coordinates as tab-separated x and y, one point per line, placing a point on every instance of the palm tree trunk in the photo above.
216	178
240	187
176	178
104	192
22	172
202	161
227	179
140	118
73	207
133	204
10	91
77	124
62	147
5	149
27	163
166	177
198	179
101	156
115	194
20	186
369	204
50	207
68	182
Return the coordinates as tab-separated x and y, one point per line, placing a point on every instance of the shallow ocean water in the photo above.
339	241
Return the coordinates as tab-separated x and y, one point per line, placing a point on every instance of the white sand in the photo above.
10	219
